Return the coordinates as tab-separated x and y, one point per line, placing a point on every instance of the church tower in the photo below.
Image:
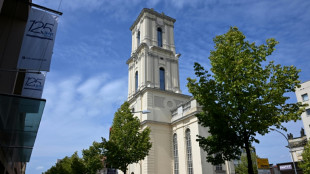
153	84
153	62
153	68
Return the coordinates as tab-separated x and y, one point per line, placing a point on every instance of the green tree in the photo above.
63	166
90	163
93	157
305	164
127	144
242	167
241	98
77	164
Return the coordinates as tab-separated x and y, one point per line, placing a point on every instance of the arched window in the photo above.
138	38
160	37
189	152
136	81
162	78
175	153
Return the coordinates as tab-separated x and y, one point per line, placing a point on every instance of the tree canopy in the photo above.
68	165
128	143
305	164
93	158
90	163
242	97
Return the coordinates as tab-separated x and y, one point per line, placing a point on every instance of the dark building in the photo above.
20	116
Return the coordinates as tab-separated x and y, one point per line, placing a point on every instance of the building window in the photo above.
162	78
189	152
136	81
218	167
305	97
160	37
175	153
138	38
308	112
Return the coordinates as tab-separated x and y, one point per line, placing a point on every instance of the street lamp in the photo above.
288	147
143	111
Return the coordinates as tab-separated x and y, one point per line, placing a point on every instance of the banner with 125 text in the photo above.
38	41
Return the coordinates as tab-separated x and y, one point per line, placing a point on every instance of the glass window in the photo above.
189	152
138	38
160	37
308	112
175	153
136	81
305	97
218	167
162	78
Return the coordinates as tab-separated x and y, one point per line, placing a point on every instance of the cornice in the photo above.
154	122
141	46
301	143
168	59
147	89
160	49
152	51
176	107
153	12
153	18
186	117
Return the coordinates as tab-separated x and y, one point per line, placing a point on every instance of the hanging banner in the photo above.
33	85
38	42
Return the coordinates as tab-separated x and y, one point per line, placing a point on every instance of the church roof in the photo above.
153	12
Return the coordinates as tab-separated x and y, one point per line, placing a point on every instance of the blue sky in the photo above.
88	77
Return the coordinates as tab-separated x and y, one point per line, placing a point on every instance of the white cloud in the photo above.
39	168
90	87
78	111
67	95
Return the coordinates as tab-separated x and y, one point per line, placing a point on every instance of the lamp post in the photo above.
288	147
143	111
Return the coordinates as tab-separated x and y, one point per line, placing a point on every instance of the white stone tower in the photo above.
153	84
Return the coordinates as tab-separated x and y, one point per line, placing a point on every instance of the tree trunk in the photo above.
249	158
124	169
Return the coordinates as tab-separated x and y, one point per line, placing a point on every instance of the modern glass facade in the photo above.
20	118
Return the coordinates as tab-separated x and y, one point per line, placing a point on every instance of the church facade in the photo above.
153	84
